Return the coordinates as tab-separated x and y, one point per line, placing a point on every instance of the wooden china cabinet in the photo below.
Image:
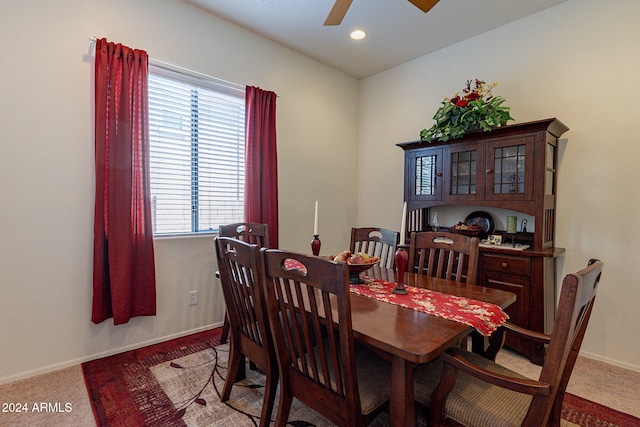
512	167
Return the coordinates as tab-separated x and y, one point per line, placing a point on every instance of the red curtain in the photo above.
124	283
261	161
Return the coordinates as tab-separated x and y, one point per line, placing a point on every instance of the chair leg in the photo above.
225	329
284	407
556	412
270	388
236	362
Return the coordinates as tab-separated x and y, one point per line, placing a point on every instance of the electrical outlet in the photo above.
193	297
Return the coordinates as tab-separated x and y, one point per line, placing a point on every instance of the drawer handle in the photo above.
505	265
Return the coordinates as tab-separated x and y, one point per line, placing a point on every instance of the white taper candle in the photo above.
315	221
403	227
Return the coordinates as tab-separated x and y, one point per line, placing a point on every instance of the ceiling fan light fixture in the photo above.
358	35
340	8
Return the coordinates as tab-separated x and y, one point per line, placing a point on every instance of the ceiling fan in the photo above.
340	7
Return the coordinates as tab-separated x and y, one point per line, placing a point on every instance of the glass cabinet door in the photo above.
510	169
462	178
425	181
463	172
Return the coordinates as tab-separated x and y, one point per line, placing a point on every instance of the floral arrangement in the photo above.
476	108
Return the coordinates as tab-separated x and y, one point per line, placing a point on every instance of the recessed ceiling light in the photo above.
358	35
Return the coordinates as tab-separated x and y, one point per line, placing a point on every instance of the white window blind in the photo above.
197	153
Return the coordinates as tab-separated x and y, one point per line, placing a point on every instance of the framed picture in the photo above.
494	239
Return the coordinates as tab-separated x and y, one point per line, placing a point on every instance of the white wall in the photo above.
578	62
47	175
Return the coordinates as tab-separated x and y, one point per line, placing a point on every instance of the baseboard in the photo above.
610	361
111	352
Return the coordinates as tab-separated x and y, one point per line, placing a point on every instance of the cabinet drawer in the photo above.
507	264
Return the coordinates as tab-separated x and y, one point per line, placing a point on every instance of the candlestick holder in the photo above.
315	245
401	258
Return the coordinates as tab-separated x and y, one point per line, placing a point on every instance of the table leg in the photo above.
478	343
402	407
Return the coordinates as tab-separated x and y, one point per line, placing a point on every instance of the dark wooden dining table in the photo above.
409	337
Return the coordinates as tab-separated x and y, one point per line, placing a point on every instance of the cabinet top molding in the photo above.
552	125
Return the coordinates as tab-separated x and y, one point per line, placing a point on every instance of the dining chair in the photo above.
444	255
464	388
240	267
377	242
250	232
339	379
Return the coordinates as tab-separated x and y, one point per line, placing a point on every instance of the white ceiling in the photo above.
397	31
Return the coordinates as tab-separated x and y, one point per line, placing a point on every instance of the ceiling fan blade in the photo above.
424	5
338	11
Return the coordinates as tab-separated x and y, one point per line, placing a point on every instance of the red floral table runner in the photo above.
483	316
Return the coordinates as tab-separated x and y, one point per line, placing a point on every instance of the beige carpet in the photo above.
62	393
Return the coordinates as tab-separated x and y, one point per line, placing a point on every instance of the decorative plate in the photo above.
482	219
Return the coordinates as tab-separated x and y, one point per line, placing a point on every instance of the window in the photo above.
197	153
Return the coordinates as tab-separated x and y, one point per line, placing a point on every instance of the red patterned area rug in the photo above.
178	383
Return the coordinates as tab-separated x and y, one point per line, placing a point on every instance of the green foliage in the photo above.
476	109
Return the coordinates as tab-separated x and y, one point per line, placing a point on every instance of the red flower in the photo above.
461	103
455	100
472	96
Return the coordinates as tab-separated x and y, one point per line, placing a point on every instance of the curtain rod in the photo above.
164	64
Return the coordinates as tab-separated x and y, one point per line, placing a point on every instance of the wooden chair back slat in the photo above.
237	262
251	232
444	255
377	242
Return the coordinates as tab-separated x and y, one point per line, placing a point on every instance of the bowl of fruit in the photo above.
467	230
357	263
